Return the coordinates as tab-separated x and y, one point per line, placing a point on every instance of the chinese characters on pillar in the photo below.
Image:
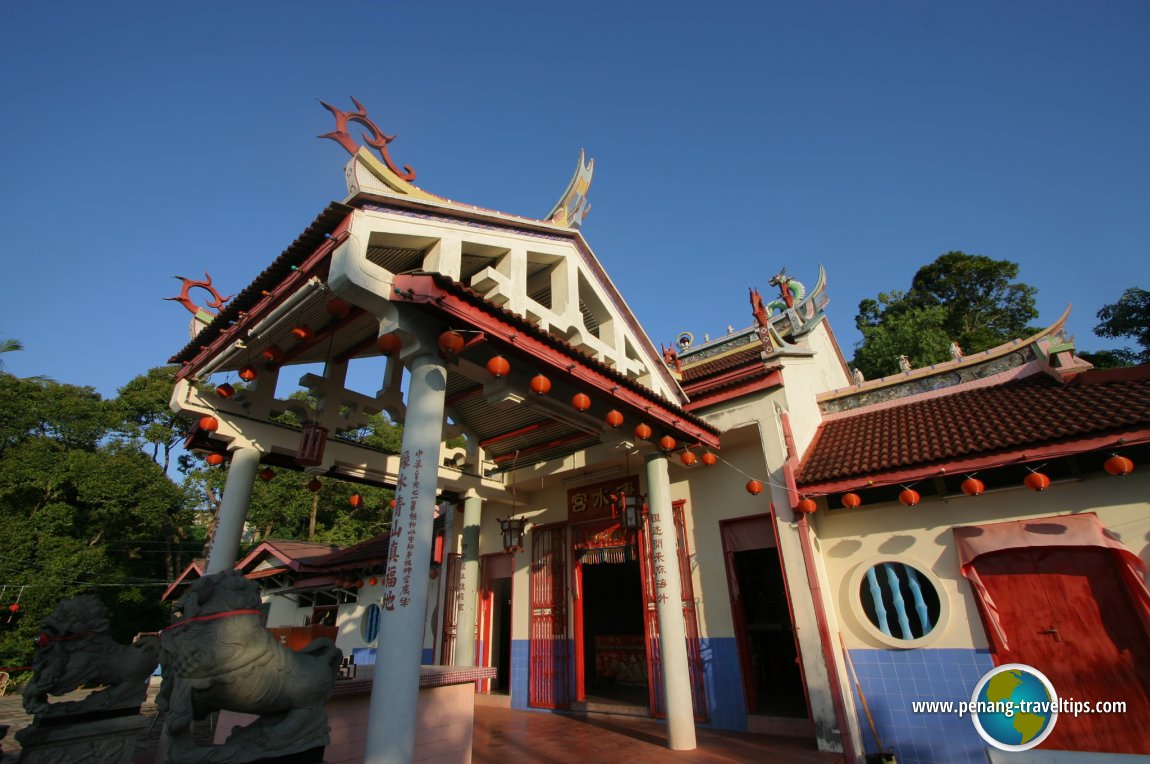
403	524
658	556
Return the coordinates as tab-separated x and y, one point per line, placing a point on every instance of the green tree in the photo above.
972	300
1129	317
146	419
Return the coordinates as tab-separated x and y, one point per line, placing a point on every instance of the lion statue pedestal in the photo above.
219	657
73	650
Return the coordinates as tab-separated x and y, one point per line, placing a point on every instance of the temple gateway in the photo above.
733	533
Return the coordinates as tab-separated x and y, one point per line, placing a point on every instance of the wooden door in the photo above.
452	607
1066	612
549	648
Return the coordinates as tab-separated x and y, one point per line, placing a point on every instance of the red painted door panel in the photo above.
1066	612
549	653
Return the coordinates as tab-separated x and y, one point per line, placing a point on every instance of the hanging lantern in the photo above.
754	487
266	474
581	401
709	459
389	344
540	385
909	497
667	443
1036	481
225	390
355	500
312	442
359	583
614	418
209	423
14	607
643	431
512	530
248	373
973	486
1118	465
807	506
272	353
629	510
391	504
337	308
314	485
303	333
851	500
214	459
451	342
372	581
498	367
688	458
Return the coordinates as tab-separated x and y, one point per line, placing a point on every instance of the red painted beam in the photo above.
515	433
422	289
465	395
557	443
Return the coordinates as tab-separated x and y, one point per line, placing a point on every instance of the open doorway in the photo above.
495	620
614	657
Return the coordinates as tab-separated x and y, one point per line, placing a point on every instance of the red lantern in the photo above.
302	333
337	308
209	423
314	485
689	458
248	373
498	367
14	607
1036	481
266	474
807	506
754	487
581	401
709	459
851	500
355	500
359	583
667	443
540	385
451	342
391	503
225	390
973	486
215	459
643	431
389	344
910	497
272	353
372	581
614	418
1118	465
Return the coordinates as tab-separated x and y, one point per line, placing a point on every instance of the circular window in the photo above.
369	625
900	602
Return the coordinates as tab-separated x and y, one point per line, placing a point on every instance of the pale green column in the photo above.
233	511
395	690
468	584
669	606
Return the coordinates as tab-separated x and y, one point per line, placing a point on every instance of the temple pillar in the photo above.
669	606
468	583
233	511
395	690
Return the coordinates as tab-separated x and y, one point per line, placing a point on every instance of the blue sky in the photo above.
139	141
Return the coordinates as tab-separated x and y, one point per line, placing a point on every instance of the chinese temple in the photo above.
736	533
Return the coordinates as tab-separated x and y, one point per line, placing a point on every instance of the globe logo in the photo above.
1014	707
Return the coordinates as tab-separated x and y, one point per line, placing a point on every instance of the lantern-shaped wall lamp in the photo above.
512	530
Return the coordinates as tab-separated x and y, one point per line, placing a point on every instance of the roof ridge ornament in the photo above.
377	140
573	206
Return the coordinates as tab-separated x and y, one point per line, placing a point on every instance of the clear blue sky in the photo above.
139	141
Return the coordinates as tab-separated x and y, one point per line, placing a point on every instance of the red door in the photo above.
549	650
1066	612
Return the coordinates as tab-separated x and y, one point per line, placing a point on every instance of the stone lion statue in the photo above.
217	655
74	650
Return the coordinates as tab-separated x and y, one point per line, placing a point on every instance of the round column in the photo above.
395	691
468	583
669	605
233	511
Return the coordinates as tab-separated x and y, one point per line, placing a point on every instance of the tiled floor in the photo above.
505	736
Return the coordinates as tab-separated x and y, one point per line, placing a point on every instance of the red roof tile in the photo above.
1025	413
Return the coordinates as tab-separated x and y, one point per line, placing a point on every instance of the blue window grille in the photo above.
369	626
899	600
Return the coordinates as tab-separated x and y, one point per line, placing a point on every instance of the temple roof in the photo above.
959	426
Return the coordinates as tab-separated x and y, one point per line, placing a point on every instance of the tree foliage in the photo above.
972	300
1129	317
